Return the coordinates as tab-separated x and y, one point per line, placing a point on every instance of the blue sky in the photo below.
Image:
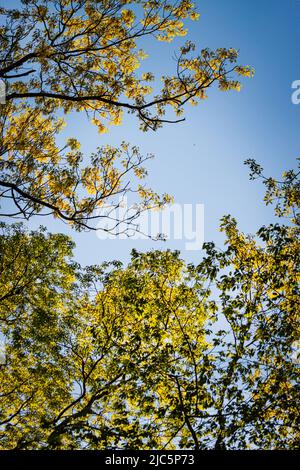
201	160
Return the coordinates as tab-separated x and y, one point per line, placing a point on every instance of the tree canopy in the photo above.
157	354
60	56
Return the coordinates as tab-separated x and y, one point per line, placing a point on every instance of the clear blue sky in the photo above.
201	160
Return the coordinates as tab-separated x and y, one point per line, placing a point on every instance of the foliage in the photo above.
60	56
156	354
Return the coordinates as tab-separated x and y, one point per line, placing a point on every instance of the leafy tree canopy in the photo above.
159	353
60	56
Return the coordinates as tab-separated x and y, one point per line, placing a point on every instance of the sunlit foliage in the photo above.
159	353
60	56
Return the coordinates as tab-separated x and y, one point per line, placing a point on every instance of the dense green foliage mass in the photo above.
156	354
